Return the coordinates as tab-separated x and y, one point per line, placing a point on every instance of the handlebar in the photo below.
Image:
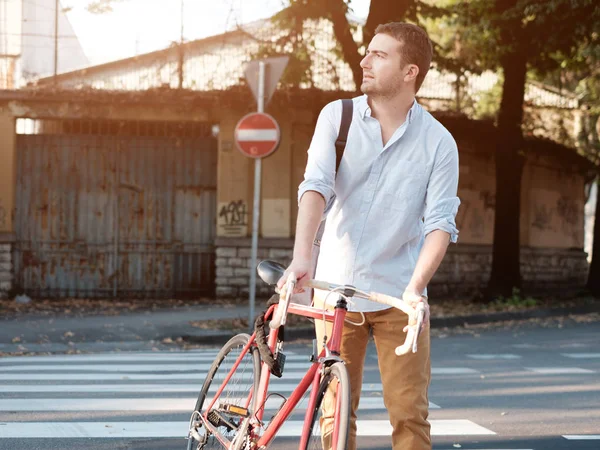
415	315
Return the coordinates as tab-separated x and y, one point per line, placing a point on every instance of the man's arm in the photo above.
430	258
441	206
315	193
310	213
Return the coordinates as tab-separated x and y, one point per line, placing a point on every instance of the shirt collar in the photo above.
365	109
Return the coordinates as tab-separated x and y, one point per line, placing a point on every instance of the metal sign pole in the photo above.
256	208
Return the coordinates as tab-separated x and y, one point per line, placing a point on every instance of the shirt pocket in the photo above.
404	187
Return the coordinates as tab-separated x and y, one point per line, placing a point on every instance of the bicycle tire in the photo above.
342	410
218	371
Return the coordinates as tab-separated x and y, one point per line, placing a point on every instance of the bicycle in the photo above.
233	418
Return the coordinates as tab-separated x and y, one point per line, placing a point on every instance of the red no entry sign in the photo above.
257	135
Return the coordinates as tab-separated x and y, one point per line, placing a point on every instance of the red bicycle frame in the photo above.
312	376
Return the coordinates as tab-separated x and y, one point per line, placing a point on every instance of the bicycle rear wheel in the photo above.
330	418
238	392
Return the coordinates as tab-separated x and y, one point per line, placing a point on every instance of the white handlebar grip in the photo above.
411	337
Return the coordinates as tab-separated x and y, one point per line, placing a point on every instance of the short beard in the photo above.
373	91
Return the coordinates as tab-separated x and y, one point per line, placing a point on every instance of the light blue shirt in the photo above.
384	200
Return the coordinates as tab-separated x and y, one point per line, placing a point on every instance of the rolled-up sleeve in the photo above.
441	204
319	175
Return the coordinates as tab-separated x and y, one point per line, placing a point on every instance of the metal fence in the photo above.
108	208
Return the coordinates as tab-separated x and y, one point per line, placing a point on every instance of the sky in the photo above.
141	26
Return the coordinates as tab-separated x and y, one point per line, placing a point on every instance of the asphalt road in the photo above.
536	388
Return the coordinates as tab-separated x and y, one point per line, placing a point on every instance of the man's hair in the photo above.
415	46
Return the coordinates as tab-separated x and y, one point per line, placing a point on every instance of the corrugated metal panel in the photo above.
102	215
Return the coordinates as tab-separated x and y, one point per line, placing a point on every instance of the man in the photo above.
390	217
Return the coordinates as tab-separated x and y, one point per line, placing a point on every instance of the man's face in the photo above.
384	72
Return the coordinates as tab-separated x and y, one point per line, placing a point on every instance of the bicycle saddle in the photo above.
270	271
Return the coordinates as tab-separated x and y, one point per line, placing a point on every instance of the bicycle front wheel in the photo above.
238	392
330	417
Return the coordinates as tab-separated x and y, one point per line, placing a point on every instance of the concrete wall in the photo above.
7	198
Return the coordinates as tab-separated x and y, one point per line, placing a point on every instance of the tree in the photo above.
337	11
584	72
101	6
520	36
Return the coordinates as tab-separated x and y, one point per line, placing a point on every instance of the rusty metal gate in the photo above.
107	209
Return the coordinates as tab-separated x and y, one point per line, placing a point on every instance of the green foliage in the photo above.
488	105
516	300
547	32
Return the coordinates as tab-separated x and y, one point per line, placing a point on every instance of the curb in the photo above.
221	337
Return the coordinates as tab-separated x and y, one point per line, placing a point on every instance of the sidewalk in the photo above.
171	328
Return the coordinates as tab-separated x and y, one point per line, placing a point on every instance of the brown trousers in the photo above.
405	379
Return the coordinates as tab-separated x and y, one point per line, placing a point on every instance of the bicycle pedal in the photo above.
219	421
234	410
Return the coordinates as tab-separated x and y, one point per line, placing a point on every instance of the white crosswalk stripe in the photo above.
559	370
484	356
582	437
582	355
163	382
150	358
145	404
290	428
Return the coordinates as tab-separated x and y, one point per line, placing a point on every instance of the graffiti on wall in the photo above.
541	217
475	218
556	219
232	219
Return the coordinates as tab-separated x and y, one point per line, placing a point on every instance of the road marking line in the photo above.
292	428
192	377
157	357
135	368
582	437
145	388
452	371
581	355
484	356
146	404
559	370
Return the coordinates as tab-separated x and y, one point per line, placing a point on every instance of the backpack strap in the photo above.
340	146
340	143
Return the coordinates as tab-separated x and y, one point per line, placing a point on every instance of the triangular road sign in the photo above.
274	67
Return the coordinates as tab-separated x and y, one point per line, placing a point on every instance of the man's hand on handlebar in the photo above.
301	268
413	298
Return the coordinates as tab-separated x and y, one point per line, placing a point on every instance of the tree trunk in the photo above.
506	270
593	282
380	11
343	34
384	11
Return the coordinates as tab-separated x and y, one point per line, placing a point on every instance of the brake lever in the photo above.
420	317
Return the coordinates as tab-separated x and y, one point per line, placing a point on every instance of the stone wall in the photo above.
233	264
464	271
6	267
